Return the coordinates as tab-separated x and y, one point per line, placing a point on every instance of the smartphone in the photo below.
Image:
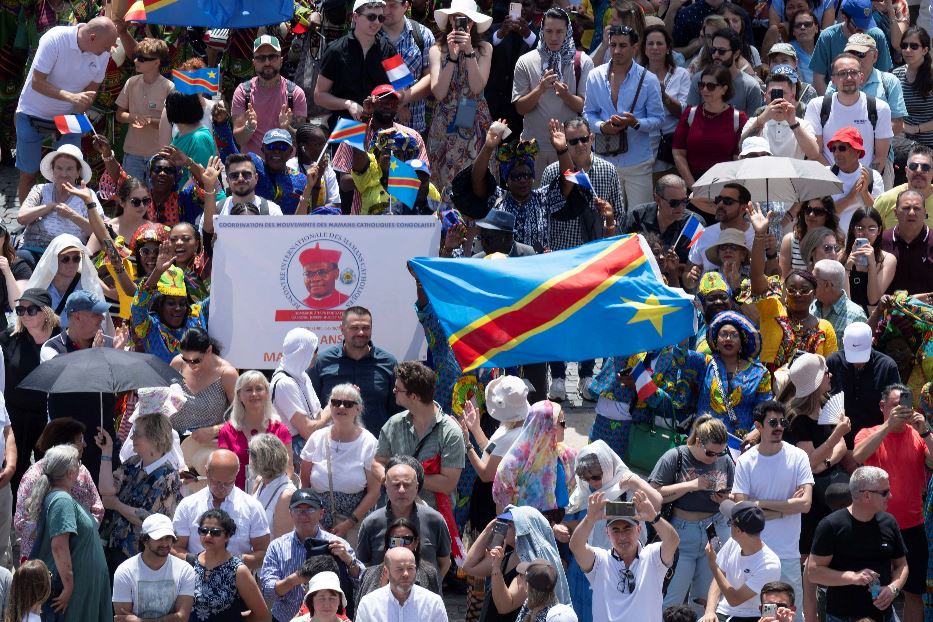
460	23
712	537
777	94
498	534
859	243
620	508
769	610
552	66
907	399
515	10
875	588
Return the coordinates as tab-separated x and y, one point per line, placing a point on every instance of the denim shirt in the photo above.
648	110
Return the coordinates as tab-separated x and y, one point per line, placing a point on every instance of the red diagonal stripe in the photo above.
545	307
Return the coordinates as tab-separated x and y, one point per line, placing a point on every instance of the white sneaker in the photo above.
584	388
556	392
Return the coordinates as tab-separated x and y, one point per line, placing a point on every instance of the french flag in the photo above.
73	124
644	383
578	177
397	72
735	446
692	231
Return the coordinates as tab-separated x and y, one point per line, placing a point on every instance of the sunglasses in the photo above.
719	51
246	175
76	258
714	454
913	45
883	493
578	141
803	25
857	55
775	422
917	165
725	200
262	58
139	58
395	541
214	531
168	170
277	147
830	248
520	177
675	203
621	30
815	211
591	478
196	361
137	201
709	86
626	582
343	403
839	147
372	17
849	73
30	311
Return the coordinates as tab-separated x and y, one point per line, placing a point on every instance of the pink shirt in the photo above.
267	102
236	441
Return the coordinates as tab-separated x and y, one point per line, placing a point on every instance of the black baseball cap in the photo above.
306	496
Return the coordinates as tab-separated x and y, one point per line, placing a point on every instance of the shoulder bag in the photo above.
617	144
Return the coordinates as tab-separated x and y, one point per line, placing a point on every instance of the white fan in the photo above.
833	410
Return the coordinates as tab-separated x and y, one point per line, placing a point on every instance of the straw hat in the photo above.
463	7
806	372
197	454
45	166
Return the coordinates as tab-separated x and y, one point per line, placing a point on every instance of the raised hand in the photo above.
102	146
759	219
285	116
212	172
494	137
558	139
166	257
82	192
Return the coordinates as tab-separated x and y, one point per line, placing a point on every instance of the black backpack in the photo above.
289	91
827	106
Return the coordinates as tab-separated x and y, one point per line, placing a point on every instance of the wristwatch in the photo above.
926	433
656	519
637	125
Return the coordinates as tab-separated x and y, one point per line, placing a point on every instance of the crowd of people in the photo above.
790	478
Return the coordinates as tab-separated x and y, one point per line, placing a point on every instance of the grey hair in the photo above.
238	411
58	462
812	240
348	391
576	122
832	271
268	455
668	181
866	477
904	193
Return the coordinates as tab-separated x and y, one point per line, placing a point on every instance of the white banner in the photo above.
272	274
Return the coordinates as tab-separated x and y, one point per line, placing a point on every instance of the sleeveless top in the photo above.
216	598
269	494
796	261
204	408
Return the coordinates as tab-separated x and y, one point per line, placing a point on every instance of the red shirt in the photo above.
708	141
903	456
236	441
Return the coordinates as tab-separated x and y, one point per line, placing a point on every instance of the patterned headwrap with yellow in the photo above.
712	282
516	152
172	282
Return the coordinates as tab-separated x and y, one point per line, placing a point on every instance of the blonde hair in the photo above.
708	429
238	412
157	429
52	321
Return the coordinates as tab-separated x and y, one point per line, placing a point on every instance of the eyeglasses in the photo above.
858	55
343	403
374	16
775	422
70	258
245	175
709	86
913	45
714	454
917	165
578	141
626	581
883	493
148	251
214	531
221	485
395	541
562	423
168	170
872	229
277	147
30	311
729	336
139	58
815	211
719	51
137	201
848	73
831	248
320	274
839	147
725	201
304	511
803	25
196	361
266	58
403	391
520	176
675	203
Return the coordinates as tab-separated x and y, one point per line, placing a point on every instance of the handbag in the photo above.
617	144
648	441
666	148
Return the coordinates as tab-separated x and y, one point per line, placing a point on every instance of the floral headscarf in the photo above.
513	153
751	338
527	474
563	56
149	232
712	282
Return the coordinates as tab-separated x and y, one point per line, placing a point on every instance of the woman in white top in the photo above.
268	460
337	462
657	54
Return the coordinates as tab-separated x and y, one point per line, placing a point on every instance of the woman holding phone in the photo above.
870	269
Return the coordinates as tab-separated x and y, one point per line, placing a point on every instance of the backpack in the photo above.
289	92
577	67
735	117
416	35
827	106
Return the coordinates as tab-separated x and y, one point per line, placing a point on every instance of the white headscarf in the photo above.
297	352
614	471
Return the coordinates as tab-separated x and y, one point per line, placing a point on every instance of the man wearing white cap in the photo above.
154	584
861	372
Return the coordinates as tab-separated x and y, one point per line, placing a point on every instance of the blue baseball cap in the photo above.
859	11
419	165
85	301
277	135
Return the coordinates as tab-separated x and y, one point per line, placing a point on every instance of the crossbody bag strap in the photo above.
641	81
330	482
726	397
424	440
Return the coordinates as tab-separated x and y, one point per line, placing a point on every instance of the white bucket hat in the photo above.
45	166
326	580
507	399
807	372
463	7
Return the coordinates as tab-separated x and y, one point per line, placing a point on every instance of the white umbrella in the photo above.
771	178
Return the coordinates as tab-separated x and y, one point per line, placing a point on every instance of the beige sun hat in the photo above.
806	372
463	7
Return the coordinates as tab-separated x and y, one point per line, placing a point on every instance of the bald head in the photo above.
222	461
97	36
399	555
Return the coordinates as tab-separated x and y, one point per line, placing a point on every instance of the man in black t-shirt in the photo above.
858	553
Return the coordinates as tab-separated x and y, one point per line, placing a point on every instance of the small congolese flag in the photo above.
205	81
349	131
397	72
73	124
403	182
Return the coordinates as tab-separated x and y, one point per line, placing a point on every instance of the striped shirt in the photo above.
919	109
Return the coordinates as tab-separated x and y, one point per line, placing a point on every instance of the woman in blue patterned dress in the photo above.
224	587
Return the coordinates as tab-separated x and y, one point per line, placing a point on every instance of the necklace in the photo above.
710	115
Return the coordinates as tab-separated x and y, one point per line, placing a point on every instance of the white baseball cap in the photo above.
157	526
857	342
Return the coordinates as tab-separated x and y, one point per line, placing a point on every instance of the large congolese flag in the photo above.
600	299
211	13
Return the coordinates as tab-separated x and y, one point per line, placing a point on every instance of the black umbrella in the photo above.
100	370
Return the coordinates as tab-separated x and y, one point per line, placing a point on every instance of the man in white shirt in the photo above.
66	72
401	599
860	184
730	211
154	585
776	477
242	179
849	108
252	534
627	580
741	568
777	123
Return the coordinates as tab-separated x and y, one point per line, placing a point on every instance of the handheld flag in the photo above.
692	231
734	443
543	308
578	177
403	182
73	124
350	132
398	72
211	13
644	383
205	81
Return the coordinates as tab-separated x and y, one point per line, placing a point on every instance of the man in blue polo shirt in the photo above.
833	40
